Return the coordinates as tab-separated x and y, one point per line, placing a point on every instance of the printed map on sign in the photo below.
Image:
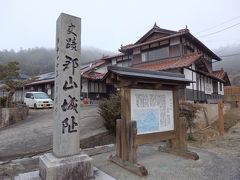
152	110
148	120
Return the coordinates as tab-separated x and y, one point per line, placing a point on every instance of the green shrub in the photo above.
110	111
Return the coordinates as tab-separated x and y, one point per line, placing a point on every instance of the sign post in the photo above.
149	113
221	117
66	162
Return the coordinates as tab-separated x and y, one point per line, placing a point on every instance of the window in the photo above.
96	87
114	61
174	50
155	54
188	49
220	84
29	95
92	86
144	56
100	87
40	95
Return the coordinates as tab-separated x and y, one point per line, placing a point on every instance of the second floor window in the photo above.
155	54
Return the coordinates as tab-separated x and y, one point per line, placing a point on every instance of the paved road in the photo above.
35	133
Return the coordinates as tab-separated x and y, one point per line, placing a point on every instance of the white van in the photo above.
38	100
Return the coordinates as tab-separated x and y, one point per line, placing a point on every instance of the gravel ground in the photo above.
219	158
211	165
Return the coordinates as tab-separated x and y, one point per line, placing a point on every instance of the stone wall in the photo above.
10	116
208	114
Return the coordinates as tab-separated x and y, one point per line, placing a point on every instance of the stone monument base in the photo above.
71	167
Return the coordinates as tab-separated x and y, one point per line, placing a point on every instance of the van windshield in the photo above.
40	96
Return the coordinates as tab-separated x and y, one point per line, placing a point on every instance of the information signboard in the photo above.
152	110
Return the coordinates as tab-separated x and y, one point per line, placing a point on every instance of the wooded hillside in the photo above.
41	60
230	62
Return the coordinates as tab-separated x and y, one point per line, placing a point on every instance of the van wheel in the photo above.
35	106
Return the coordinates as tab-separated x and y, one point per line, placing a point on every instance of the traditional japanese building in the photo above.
177	51
158	50
92	86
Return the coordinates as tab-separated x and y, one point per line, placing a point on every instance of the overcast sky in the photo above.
106	24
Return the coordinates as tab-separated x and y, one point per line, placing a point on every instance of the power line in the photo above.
212	27
219	31
228	55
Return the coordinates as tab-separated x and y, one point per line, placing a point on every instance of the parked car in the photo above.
38	100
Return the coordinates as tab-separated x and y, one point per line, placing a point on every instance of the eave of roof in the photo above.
114	56
94	65
41	81
154	29
131	46
184	33
137	73
170	63
211	75
197	41
219	73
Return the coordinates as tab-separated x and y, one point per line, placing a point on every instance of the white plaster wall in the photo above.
210	115
114	61
195	80
84	85
202	83
188	75
208	86
193	66
102	69
220	92
194	77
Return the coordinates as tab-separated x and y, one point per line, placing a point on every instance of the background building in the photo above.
158	50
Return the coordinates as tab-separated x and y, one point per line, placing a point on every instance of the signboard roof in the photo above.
157	75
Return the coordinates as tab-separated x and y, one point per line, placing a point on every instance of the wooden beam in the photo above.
118	138
132	142
221	117
154	137
110	81
125	116
138	169
175	142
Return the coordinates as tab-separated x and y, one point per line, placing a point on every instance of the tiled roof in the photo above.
86	71
113	56
219	74
45	76
146	74
41	81
171	63
183	32
93	75
92	65
155	29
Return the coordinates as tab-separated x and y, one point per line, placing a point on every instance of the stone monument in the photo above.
66	161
